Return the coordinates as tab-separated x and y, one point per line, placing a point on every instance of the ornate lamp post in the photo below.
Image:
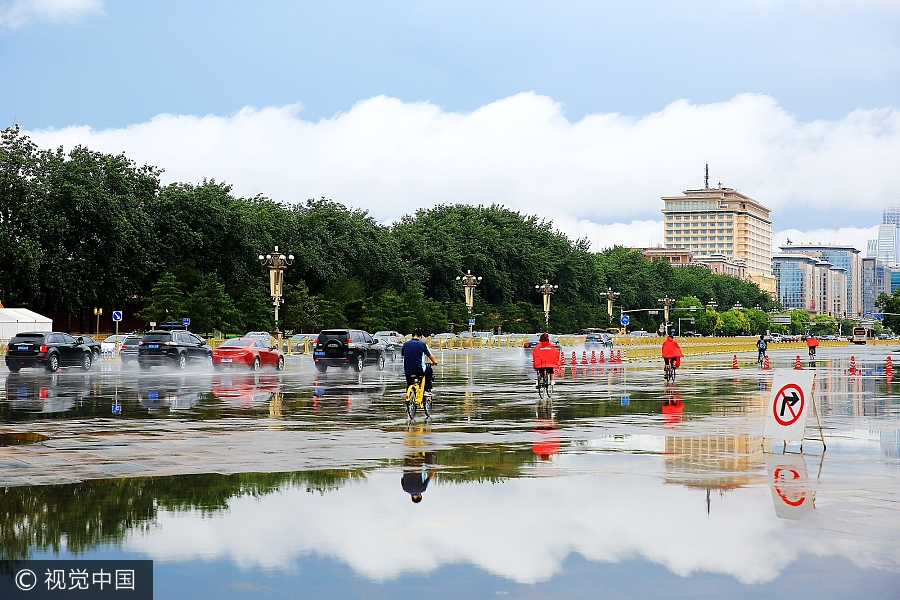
276	262
667	304
610	296
546	290
469	282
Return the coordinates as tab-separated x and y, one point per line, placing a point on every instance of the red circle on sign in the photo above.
792	413
778	477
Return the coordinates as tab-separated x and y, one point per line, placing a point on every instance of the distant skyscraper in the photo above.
887	247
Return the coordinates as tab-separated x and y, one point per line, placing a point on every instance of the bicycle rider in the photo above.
671	351
761	346
416	357
545	358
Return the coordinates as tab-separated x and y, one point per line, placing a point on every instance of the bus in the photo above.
859	335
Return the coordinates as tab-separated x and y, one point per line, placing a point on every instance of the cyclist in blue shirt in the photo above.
416	357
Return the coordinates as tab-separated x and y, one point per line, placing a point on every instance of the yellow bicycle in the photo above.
415	398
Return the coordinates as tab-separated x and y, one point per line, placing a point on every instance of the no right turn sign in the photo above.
789	405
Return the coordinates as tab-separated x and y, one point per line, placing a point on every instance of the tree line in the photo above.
85	228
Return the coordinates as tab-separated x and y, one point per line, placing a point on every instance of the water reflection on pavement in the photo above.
620	486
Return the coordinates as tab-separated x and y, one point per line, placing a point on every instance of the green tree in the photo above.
734	322
211	308
166	301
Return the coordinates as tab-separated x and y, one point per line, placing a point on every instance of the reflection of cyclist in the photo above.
545	357
671	351
761	346
812	343
416	356
417	474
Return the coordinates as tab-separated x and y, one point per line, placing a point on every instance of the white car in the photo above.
109	345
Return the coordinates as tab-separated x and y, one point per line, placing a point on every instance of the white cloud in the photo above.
393	157
19	12
508	530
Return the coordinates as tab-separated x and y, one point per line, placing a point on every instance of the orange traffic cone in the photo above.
593	357
602	358
766	366
797	365
734	364
584	357
618	356
574	360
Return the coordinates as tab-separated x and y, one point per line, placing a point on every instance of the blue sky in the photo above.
112	64
132	60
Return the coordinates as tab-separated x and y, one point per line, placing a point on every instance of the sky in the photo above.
581	112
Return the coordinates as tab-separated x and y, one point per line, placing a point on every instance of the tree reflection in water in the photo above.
80	516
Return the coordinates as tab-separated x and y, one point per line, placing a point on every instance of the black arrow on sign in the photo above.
789	400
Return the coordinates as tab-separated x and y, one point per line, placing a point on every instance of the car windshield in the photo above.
132	339
235	342
333	334
113	338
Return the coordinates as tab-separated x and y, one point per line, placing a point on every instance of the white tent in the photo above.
17	320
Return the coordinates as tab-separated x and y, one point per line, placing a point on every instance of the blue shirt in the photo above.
414	352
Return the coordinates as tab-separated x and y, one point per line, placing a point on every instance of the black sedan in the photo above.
47	350
173	348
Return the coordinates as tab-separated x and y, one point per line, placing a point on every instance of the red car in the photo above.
254	353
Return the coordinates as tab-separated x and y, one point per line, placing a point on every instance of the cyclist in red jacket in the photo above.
545	357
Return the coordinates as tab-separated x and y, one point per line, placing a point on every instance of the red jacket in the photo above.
545	355
812	342
671	349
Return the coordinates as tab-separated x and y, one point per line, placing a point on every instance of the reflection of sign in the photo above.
625	400
117	316
792	494
117	409
789	405
624	320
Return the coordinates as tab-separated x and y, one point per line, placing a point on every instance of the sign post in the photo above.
789	406
117	316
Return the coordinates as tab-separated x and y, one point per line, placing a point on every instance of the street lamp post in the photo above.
276	262
667	304
469	282
97	313
610	296
546	289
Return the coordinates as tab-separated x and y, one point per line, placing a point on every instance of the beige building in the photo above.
724	265
722	221
673	255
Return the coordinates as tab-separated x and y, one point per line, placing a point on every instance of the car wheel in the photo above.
280	365
53	363
182	361
380	362
96	355
321	368
358	365
87	361
255	366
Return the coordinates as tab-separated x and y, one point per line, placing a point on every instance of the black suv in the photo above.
49	350
347	348
174	348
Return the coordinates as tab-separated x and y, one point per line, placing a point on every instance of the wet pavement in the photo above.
296	484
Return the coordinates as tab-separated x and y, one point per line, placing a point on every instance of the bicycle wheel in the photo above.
427	406
547	387
411	393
